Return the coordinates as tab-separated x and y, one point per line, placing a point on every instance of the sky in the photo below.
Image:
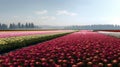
60	12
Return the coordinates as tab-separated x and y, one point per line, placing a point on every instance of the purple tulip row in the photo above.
5	34
80	49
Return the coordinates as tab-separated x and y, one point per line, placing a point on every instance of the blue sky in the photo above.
60	12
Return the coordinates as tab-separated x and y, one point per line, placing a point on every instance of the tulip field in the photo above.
4	34
111	30
78	49
113	33
14	40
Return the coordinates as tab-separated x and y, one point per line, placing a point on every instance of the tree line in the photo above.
16	26
93	27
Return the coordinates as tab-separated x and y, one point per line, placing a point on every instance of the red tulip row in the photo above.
80	49
111	30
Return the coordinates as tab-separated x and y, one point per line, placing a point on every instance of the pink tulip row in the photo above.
80	49
25	33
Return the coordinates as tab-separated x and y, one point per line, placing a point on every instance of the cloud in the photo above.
65	12
101	20
114	20
48	18
41	12
15	16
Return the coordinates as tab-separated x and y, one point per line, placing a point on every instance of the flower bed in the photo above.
8	44
113	34
7	34
81	49
111	30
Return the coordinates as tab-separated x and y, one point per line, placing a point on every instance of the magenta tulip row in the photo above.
80	49
25	33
